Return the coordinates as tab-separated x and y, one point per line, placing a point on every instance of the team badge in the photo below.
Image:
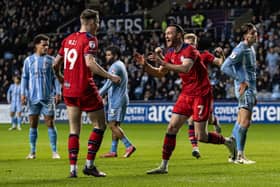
91	44
182	58
233	55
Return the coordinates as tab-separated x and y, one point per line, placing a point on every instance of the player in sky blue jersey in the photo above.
13	98
117	102
40	90
241	66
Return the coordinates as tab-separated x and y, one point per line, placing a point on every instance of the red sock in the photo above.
192	137
215	138
73	148
94	143
168	146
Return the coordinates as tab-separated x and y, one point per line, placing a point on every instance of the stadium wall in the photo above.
263	113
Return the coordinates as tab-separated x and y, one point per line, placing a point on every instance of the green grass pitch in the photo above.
212	169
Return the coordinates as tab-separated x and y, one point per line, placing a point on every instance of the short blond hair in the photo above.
192	37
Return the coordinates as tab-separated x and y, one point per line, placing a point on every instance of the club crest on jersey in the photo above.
182	58
91	44
233	55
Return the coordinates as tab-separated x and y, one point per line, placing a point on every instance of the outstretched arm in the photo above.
57	68
151	70
97	69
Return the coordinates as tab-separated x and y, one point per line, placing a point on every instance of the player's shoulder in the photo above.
49	58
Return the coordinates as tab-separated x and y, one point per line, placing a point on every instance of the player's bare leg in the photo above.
169	144
213	120
94	142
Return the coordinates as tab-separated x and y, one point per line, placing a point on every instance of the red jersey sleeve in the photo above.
61	50
190	52
207	57
91	45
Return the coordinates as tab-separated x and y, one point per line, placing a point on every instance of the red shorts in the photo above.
196	106
89	102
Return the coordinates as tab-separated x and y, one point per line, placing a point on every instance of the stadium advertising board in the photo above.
264	113
132	24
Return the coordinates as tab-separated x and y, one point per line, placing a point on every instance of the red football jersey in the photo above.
207	58
77	76
196	81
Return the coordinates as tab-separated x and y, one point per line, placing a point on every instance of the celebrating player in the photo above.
207	59
195	97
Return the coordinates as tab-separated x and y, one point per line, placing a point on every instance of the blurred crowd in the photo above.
24	24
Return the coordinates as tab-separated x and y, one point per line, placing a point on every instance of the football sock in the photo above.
164	164
126	142
53	138
215	138
94	143
242	134
19	121
168	146
73	149
192	137
14	121
33	133
114	146
235	130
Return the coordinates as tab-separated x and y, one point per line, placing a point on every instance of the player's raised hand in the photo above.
152	57
219	51
139	58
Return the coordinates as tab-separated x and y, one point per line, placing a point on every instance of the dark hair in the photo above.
88	14
115	51
37	39
245	28
179	29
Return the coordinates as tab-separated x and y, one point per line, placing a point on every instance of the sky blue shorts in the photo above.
43	107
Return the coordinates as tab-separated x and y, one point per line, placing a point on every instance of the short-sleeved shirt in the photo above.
77	76
207	58
196	81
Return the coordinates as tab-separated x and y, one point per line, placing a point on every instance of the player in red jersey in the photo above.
195	97
79	90
207	59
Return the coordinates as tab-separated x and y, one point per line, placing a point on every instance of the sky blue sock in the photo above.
19	121
242	137
235	130
114	146
33	133
53	138
126	142
14	121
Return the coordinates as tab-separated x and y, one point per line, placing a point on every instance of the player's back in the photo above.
77	76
